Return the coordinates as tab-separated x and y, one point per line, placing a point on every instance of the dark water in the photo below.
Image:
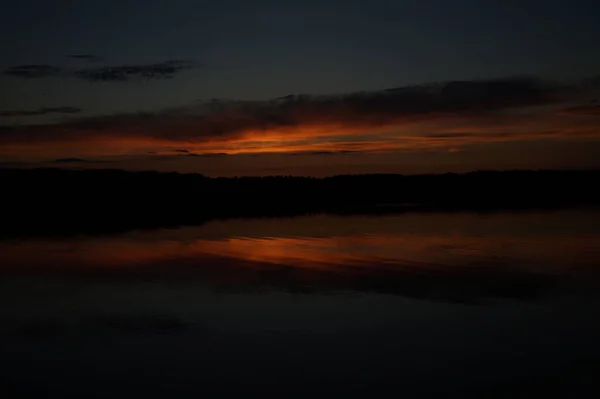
420	305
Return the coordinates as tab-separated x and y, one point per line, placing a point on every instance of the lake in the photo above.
416	304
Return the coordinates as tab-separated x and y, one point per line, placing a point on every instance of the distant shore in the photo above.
62	202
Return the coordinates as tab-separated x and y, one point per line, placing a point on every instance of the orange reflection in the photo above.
376	251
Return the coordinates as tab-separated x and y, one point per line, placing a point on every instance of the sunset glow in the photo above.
454	118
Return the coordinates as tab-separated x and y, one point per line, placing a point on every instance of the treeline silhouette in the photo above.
55	201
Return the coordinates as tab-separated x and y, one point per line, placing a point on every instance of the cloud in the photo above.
339	152
217	119
87	57
76	160
179	152
437	115
40	111
450	135
33	71
115	73
121	73
584	110
209	154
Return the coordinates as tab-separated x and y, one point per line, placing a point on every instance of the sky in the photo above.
240	87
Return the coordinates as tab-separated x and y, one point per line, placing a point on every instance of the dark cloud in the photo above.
155	156
87	57
492	135
118	73
285	98
378	108
584	110
453	135
340	152
179	152
33	71
40	111
169	155
76	160
208	154
121	73
225	120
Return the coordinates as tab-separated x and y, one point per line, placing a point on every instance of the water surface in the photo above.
423	303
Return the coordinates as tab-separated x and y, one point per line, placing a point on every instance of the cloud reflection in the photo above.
455	266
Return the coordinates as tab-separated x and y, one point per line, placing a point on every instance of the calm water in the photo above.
424	304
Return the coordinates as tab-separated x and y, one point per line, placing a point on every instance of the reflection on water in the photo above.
311	294
506	254
545	242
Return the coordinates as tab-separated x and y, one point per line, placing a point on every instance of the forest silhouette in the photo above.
58	202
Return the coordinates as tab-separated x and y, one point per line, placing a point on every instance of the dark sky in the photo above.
72	66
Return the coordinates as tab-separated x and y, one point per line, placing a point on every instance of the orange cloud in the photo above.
444	116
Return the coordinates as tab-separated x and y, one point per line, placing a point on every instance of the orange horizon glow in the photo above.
317	137
452	117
